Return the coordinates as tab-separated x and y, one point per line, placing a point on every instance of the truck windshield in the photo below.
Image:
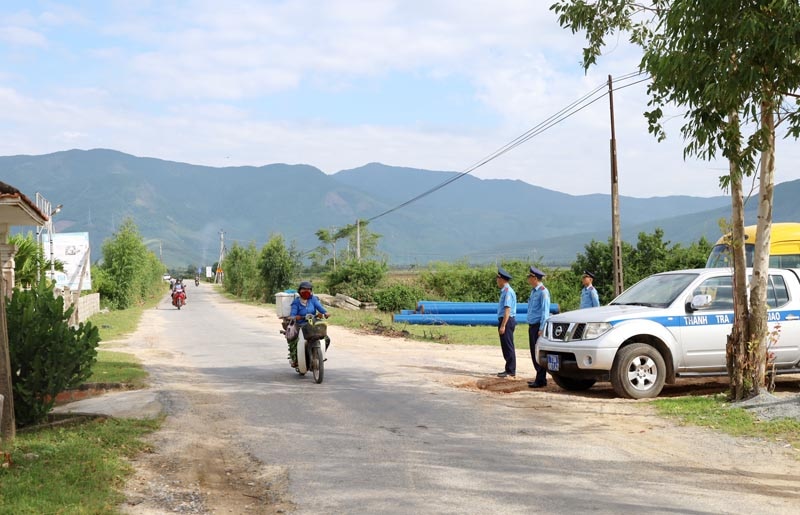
655	291
720	256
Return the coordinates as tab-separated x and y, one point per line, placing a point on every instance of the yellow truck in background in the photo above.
784	247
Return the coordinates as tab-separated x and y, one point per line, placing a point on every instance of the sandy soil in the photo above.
192	471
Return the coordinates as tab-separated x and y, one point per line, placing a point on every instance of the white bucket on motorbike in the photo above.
283	303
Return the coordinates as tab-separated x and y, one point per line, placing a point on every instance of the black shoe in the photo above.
534	384
506	374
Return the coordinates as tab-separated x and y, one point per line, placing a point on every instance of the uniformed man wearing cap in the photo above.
538	313
506	322
589	297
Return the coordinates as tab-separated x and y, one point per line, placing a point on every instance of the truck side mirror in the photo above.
700	302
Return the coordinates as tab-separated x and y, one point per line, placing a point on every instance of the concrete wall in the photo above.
85	305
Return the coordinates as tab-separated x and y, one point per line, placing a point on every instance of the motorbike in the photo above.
196	281
179	299
312	344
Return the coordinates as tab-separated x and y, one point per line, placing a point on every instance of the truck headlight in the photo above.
595	330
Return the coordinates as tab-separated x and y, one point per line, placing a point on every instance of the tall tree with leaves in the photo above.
731	65
360	237
279	265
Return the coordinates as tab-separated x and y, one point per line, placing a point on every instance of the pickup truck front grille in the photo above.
559	331
565	332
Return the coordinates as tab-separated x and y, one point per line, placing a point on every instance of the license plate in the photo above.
553	362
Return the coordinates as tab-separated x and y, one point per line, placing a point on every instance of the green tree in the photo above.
733	66
131	272
279	265
326	237
242	272
368	241
651	255
598	259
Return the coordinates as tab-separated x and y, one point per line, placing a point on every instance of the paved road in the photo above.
378	436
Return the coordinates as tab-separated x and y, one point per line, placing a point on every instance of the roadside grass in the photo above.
381	323
77	469
715	412
118	323
118	367
230	296
378	322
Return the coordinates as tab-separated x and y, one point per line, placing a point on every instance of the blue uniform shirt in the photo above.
589	298
508	298
312	307
539	305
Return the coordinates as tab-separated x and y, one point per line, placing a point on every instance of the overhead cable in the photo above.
554	119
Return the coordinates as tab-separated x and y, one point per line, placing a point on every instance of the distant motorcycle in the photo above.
179	299
312	343
196	281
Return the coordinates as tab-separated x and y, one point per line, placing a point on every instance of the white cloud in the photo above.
189	81
22	36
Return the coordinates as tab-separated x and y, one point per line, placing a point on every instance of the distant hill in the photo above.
184	207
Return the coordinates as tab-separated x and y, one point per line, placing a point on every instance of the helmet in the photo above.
305	285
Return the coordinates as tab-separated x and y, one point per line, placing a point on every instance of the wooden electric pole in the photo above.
358	239
615	231
218	277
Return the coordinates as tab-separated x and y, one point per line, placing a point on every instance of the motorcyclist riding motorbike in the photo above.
177	288
306	304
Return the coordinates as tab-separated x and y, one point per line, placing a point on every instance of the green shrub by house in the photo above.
47	355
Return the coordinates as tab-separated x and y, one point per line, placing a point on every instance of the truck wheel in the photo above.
638	372
572	384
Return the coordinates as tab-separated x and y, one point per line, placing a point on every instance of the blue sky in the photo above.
337	84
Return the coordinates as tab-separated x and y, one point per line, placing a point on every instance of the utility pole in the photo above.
615	231
160	252
219	275
358	239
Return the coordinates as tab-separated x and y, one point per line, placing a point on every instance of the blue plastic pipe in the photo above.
451	319
452	308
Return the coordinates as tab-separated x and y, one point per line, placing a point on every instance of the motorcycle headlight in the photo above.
595	330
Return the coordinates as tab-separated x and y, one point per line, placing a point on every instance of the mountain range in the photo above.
181	209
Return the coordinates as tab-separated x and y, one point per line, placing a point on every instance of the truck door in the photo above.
704	332
783	324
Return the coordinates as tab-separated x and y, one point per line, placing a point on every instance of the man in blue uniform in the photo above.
538	313
589	297
506	322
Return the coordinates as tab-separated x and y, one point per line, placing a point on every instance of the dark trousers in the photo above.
507	345
541	371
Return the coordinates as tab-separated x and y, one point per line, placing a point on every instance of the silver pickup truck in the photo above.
669	325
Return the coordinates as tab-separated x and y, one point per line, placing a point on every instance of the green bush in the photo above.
47	355
358	279
398	296
461	282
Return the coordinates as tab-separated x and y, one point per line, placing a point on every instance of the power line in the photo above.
554	119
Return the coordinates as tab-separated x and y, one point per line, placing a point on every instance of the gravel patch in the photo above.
767	406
